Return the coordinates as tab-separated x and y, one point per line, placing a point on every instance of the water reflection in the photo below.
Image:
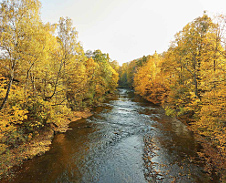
128	140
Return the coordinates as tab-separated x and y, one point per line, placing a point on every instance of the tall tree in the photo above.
19	20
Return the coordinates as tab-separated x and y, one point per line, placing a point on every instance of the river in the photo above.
127	140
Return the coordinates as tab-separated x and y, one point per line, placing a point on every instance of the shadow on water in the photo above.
128	140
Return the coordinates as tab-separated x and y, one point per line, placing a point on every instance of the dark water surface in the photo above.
127	141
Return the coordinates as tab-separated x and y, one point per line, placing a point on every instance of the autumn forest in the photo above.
46	76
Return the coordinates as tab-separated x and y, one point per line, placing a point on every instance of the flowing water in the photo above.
128	140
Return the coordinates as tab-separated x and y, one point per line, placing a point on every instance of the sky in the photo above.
128	29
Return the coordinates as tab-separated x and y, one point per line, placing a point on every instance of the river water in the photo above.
128	140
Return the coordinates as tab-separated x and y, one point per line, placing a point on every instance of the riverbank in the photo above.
38	145
211	155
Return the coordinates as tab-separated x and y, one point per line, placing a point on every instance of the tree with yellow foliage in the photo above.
149	82
17	35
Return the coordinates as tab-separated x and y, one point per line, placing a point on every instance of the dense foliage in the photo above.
44	73
189	81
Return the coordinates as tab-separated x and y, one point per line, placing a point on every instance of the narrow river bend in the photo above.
127	141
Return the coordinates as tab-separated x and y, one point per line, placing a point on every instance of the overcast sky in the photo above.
128	29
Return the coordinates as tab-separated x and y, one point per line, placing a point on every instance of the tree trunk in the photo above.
7	93
56	83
